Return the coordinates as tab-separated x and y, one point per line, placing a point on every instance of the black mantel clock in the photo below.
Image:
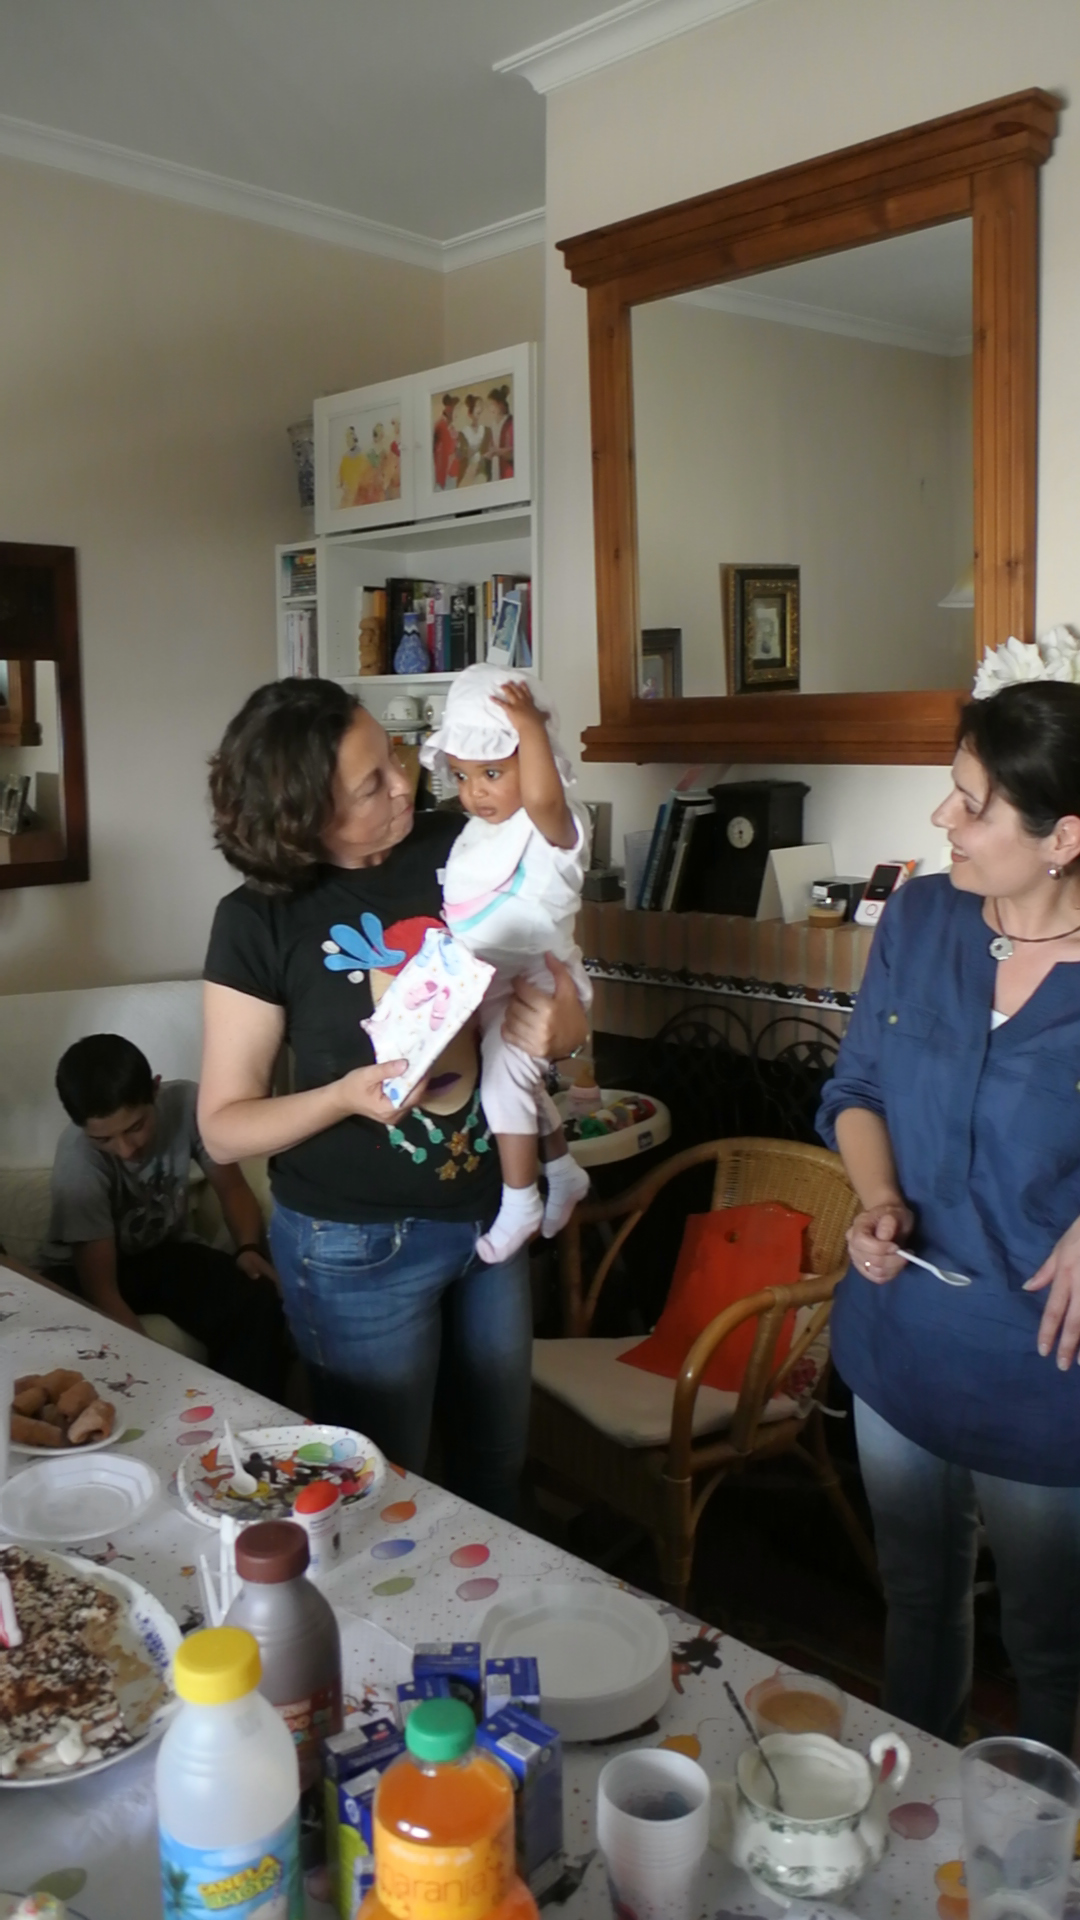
731	846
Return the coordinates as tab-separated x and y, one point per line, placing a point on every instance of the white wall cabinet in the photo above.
469	534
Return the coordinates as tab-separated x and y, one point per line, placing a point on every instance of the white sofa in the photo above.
164	1019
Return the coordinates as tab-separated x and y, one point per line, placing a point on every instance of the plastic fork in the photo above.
242	1482
942	1273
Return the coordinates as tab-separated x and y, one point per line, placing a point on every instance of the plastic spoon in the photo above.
943	1273
242	1482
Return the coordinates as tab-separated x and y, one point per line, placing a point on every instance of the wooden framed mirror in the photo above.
980	166
44	838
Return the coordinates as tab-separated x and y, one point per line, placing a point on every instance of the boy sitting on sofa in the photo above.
118	1226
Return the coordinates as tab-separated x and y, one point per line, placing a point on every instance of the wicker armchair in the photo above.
656	1450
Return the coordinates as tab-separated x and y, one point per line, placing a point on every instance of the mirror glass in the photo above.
804	463
44	837
31	798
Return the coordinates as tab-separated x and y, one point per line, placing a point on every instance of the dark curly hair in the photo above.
271	780
1027	740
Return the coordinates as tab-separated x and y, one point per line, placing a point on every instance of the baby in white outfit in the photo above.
511	892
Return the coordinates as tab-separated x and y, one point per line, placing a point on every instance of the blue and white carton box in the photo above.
511	1683
455	1660
359	1752
412	1693
532	1754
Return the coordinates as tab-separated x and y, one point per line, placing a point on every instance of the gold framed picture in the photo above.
761	628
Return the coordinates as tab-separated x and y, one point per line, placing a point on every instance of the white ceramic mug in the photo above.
402	711
652	1822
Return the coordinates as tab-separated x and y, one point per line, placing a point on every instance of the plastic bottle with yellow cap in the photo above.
228	1789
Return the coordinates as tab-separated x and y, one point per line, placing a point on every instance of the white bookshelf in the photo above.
463	551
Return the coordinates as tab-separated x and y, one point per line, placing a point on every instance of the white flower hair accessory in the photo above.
1055	657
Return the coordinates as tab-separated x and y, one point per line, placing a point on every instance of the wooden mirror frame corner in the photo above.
981	164
61	647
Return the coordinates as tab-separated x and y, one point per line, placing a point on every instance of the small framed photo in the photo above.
474	428
364	458
660	677
13	798
761	628
503	645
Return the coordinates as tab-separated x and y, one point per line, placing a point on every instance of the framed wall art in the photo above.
365	457
661	663
761	628
474	434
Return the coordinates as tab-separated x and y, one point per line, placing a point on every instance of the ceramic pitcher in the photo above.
833	1828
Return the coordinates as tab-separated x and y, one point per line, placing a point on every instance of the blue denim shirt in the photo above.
985	1129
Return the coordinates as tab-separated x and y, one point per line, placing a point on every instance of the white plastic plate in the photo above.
603	1149
282	1459
604	1656
67	1500
147	1700
66	1453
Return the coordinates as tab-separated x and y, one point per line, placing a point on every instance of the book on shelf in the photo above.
300	575
445	617
301	643
508	605
665	866
691	814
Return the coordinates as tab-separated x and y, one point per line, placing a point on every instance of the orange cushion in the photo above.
724	1257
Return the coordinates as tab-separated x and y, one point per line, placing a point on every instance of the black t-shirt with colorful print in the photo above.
326	955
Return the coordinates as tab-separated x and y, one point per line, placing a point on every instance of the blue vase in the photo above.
412	654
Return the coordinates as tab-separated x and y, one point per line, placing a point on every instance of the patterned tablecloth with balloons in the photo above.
416	1564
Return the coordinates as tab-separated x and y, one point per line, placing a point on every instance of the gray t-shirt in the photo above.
96	1196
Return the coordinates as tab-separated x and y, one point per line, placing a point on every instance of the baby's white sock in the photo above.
567	1184
518	1217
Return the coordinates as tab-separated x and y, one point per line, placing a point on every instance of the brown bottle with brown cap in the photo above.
297	1635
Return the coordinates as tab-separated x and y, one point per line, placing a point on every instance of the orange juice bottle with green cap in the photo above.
462	1804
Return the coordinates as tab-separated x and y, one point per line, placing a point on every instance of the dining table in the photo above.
417	1564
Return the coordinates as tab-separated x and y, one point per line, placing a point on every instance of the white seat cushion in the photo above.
628	1405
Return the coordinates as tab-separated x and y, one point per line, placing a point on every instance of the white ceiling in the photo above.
386	110
911	291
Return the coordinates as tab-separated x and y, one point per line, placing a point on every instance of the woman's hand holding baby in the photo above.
548	1026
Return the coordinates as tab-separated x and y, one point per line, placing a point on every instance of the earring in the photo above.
1054	873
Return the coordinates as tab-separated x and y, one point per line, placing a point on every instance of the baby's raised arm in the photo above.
542	793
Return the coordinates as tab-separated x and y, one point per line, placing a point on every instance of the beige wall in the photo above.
151	357
763	88
494	305
758	441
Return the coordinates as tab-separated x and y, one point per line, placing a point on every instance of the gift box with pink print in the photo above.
424	1006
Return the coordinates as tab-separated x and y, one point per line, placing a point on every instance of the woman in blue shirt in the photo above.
956	1109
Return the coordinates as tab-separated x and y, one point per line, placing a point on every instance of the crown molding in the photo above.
487	243
631	28
854	326
212	193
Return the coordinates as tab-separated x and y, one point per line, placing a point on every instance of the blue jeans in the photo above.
397	1315
926	1514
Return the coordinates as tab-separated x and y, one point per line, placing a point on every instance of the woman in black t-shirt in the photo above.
376	1209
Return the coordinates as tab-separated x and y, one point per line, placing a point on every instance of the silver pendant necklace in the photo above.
1003	945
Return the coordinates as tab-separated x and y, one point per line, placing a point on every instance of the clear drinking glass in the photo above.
1021	1806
